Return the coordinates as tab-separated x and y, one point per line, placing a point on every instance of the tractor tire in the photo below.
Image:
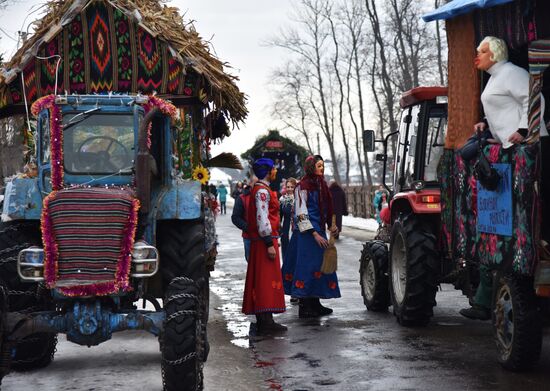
414	269
180	338
517	323
5	351
373	271
181	246
36	350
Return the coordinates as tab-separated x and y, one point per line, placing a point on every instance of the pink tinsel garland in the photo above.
165	108
56	137
50	246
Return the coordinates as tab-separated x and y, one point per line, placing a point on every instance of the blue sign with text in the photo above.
494	208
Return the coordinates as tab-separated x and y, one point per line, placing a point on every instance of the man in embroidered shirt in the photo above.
263	292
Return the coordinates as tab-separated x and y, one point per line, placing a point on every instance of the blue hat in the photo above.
262	166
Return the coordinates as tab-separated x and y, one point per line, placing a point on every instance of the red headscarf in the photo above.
313	182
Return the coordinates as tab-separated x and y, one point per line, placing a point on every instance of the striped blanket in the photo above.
88	234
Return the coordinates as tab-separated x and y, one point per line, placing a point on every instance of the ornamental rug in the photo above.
88	234
517	253
103	50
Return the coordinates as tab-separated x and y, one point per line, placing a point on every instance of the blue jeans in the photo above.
246	243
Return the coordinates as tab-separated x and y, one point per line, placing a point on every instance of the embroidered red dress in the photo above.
263	291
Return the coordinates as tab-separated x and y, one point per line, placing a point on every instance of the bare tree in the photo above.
352	16
381	68
290	107
439	46
350	61
329	15
310	46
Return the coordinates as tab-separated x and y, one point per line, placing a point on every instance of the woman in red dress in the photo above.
263	292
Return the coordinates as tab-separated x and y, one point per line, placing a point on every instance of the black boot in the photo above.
266	325
307	308
476	312
322	310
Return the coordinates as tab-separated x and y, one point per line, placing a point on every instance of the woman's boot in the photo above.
266	324
322	310
307	308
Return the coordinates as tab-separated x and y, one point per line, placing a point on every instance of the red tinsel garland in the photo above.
56	137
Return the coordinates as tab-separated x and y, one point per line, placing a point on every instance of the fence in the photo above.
360	200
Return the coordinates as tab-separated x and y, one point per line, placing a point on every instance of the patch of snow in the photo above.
360	223
217	176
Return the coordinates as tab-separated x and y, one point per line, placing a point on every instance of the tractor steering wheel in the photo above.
100	161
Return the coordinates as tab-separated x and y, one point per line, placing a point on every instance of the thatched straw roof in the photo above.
163	22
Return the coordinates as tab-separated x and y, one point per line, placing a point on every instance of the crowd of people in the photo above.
290	227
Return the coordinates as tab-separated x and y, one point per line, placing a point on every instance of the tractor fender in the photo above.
22	200
179	201
426	201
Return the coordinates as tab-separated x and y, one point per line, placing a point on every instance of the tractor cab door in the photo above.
420	145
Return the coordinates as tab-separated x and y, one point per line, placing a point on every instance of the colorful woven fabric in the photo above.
75	48
104	50
514	22
29	75
150	70
88	234
101	48
516	252
444	167
539	59
124	38
49	68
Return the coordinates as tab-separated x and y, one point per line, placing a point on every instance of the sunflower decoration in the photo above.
201	174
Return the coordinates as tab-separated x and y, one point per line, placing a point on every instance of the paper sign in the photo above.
494	208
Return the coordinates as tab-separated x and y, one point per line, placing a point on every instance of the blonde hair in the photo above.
291	180
497	46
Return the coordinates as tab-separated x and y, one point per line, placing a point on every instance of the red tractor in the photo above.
406	273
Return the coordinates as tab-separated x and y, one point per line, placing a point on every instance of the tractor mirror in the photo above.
368	140
381	157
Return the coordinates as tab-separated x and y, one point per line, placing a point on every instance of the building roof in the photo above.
460	7
162	22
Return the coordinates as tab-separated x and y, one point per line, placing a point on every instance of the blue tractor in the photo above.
108	220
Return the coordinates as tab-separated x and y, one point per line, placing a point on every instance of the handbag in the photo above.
487	176
330	256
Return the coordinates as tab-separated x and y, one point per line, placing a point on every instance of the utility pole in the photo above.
318	145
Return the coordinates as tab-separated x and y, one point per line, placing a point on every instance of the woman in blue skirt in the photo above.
302	274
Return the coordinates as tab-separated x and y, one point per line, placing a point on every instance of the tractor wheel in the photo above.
373	271
181	244
180	338
181	247
5	351
414	269
36	350
517	323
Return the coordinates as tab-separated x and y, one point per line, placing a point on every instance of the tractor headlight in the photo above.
145	260
30	264
140	250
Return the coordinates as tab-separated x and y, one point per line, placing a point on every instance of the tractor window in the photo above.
437	128
98	144
45	140
410	149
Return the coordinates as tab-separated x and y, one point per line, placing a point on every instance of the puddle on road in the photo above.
230	293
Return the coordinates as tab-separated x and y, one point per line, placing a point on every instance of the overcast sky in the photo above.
236	30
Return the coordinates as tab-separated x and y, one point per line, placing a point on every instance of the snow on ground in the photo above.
348	221
358	222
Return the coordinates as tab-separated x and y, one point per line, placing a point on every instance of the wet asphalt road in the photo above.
353	349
